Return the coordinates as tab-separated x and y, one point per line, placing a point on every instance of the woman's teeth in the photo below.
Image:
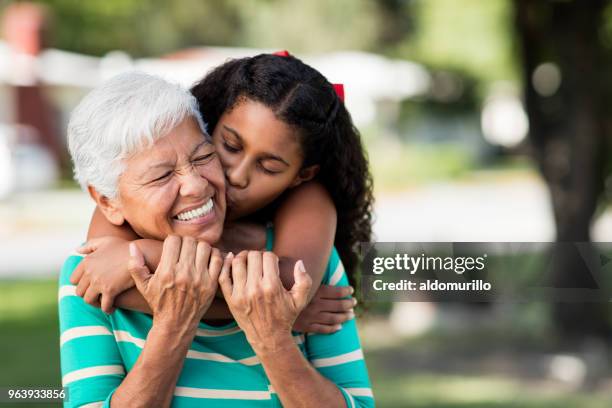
196	213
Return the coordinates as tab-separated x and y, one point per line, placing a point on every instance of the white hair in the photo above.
127	113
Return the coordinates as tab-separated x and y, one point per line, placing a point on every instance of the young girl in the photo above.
291	155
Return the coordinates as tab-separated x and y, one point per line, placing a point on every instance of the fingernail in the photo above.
301	266
351	315
337	327
229	255
354	302
351	290
351	310
135	253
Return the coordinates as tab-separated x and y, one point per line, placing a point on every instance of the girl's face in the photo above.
260	155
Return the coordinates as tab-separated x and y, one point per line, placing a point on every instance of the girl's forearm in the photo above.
132	299
296	382
101	227
152	380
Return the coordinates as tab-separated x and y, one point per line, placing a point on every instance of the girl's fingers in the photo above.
106	304
85	249
335	305
90	246
324	328
334	318
82	286
92	297
334	292
75	278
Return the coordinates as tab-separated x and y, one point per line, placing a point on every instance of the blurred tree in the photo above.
566	67
141	27
144	28
397	21
310	26
471	36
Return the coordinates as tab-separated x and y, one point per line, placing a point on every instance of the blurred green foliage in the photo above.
156	26
469	35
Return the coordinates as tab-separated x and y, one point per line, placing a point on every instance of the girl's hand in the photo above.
327	310
184	283
263	308
102	274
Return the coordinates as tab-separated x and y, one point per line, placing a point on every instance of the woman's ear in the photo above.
306	174
108	206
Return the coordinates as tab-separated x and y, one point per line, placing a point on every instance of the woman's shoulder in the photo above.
69	265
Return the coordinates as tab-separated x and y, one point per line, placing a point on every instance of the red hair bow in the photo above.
339	88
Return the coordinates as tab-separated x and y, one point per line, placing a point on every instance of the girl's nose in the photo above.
238	176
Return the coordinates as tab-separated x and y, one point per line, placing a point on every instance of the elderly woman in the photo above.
121	137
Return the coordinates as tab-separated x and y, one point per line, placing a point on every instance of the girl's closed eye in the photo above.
230	148
268	171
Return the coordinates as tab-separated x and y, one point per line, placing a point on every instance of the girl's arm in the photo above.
304	228
305	225
128	296
100	227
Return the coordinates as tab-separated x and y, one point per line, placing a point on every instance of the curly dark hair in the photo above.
301	96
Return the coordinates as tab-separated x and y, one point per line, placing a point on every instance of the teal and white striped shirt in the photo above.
220	370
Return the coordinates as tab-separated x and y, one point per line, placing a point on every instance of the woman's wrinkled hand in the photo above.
329	308
262	307
184	283
102	274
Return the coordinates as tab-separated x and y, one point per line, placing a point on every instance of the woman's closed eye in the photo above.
163	177
203	159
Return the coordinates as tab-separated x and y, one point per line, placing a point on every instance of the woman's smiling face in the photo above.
260	154
174	187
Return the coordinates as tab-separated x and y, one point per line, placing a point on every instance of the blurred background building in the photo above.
484	120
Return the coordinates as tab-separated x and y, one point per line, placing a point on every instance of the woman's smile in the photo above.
197	214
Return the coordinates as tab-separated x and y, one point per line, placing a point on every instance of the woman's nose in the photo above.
238	176
193	183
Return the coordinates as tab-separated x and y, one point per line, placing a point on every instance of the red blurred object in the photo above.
23	26
339	88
